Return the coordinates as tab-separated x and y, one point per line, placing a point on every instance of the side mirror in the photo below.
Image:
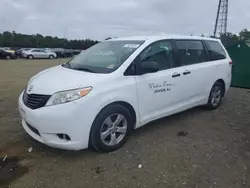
148	67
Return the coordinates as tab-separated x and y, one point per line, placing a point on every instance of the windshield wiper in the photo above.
66	65
80	68
85	69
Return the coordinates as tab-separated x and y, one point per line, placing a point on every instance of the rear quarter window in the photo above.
215	50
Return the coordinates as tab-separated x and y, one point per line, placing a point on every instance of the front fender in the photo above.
121	90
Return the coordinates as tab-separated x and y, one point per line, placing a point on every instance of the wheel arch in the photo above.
30	55
223	84
126	105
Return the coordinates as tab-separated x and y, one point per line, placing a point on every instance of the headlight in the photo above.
68	96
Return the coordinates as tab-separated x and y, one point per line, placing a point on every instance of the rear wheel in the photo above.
7	57
215	97
30	57
111	128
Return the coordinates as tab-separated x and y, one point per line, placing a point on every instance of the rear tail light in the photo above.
230	62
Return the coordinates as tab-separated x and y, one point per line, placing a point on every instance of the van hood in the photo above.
59	78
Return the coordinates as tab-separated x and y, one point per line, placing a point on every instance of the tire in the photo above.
30	57
8	57
101	126
51	57
215	96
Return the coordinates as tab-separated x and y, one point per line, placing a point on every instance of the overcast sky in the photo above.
98	19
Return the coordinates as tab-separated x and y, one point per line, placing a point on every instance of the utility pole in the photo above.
221	18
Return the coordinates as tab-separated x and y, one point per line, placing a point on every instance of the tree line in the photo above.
230	39
18	40
13	39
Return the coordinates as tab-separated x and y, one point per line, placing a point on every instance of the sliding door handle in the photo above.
176	75
186	72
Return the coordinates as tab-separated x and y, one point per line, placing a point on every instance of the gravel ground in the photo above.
214	153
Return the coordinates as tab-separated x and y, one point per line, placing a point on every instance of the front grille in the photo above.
33	129
35	101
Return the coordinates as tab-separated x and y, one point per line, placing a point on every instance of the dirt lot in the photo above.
215	153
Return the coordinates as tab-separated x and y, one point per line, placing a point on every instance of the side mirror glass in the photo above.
148	67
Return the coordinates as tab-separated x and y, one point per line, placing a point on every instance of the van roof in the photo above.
162	37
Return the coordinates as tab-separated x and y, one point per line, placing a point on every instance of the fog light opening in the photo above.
64	137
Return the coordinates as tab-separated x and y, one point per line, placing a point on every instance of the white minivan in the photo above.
97	98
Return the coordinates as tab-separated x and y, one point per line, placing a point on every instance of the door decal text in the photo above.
160	87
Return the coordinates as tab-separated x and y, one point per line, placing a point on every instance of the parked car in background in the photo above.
76	52
39	54
6	55
18	53
9	49
62	53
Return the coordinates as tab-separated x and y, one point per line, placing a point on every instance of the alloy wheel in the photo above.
113	129
216	96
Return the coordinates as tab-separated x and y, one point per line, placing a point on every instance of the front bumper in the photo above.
71	118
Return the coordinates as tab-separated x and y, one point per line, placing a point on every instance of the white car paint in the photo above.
76	118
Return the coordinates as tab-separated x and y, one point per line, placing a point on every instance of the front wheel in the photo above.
30	57
111	128
51	57
7	57
215	97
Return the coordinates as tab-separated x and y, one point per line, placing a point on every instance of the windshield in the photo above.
104	57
